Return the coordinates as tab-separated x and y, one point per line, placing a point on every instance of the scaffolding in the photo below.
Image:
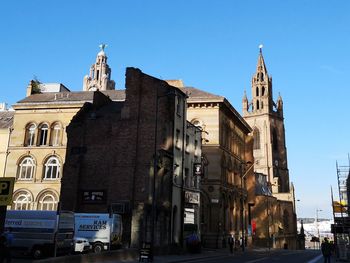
341	227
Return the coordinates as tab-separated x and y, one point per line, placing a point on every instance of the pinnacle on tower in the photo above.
100	74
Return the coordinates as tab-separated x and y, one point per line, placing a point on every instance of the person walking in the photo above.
326	249
231	242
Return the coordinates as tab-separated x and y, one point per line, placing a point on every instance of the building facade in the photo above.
37	149
135	157
227	160
265	116
6	122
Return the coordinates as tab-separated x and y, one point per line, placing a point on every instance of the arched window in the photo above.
22	201
25	169
263	91
274	139
43	133
47	201
52	169
262	76
256	135
257	105
55	135
30	135
262	104
257	91
286	220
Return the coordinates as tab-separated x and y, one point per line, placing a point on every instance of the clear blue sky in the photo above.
211	45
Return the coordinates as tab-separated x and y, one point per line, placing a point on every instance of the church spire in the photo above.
100	74
262	101
260	67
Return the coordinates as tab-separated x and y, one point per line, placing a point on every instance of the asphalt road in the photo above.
223	256
284	256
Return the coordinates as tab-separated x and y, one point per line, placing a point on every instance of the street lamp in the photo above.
318	230
242	203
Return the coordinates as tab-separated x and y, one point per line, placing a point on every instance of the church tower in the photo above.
100	74
266	119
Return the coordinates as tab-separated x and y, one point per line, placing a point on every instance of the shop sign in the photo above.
191	197
94	196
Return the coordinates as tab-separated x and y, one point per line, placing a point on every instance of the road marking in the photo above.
256	260
315	259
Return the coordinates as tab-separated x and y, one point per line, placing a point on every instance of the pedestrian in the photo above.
236	244
231	242
242	243
326	249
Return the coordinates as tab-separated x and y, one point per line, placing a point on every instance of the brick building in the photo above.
115	148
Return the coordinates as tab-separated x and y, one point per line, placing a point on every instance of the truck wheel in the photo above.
37	252
97	248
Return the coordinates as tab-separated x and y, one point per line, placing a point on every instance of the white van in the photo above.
104	231
41	233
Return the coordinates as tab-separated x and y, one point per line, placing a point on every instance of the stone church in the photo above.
265	116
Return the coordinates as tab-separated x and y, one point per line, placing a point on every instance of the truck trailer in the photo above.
41	233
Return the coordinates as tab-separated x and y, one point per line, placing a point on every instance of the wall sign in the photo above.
94	196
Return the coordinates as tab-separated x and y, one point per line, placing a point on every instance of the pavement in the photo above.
132	256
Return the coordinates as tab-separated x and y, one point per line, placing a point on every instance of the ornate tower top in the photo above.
262	99
100	74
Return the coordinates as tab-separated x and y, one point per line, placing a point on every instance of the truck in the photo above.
41	233
104	231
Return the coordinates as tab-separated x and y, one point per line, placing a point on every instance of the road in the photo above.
221	256
284	256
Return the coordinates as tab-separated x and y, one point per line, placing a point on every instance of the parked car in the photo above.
81	245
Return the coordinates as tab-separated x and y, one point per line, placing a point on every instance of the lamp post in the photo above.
317	228
242	202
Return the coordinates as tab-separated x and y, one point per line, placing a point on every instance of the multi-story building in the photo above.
38	141
6	121
270	154
136	157
227	160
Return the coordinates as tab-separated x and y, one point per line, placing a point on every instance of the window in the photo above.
22	201
257	91
178	106
187	142
262	91
187	178
177	139
26	169
30	135
256	135
52	169
257	105
55	134
48	202
43	132
275	140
